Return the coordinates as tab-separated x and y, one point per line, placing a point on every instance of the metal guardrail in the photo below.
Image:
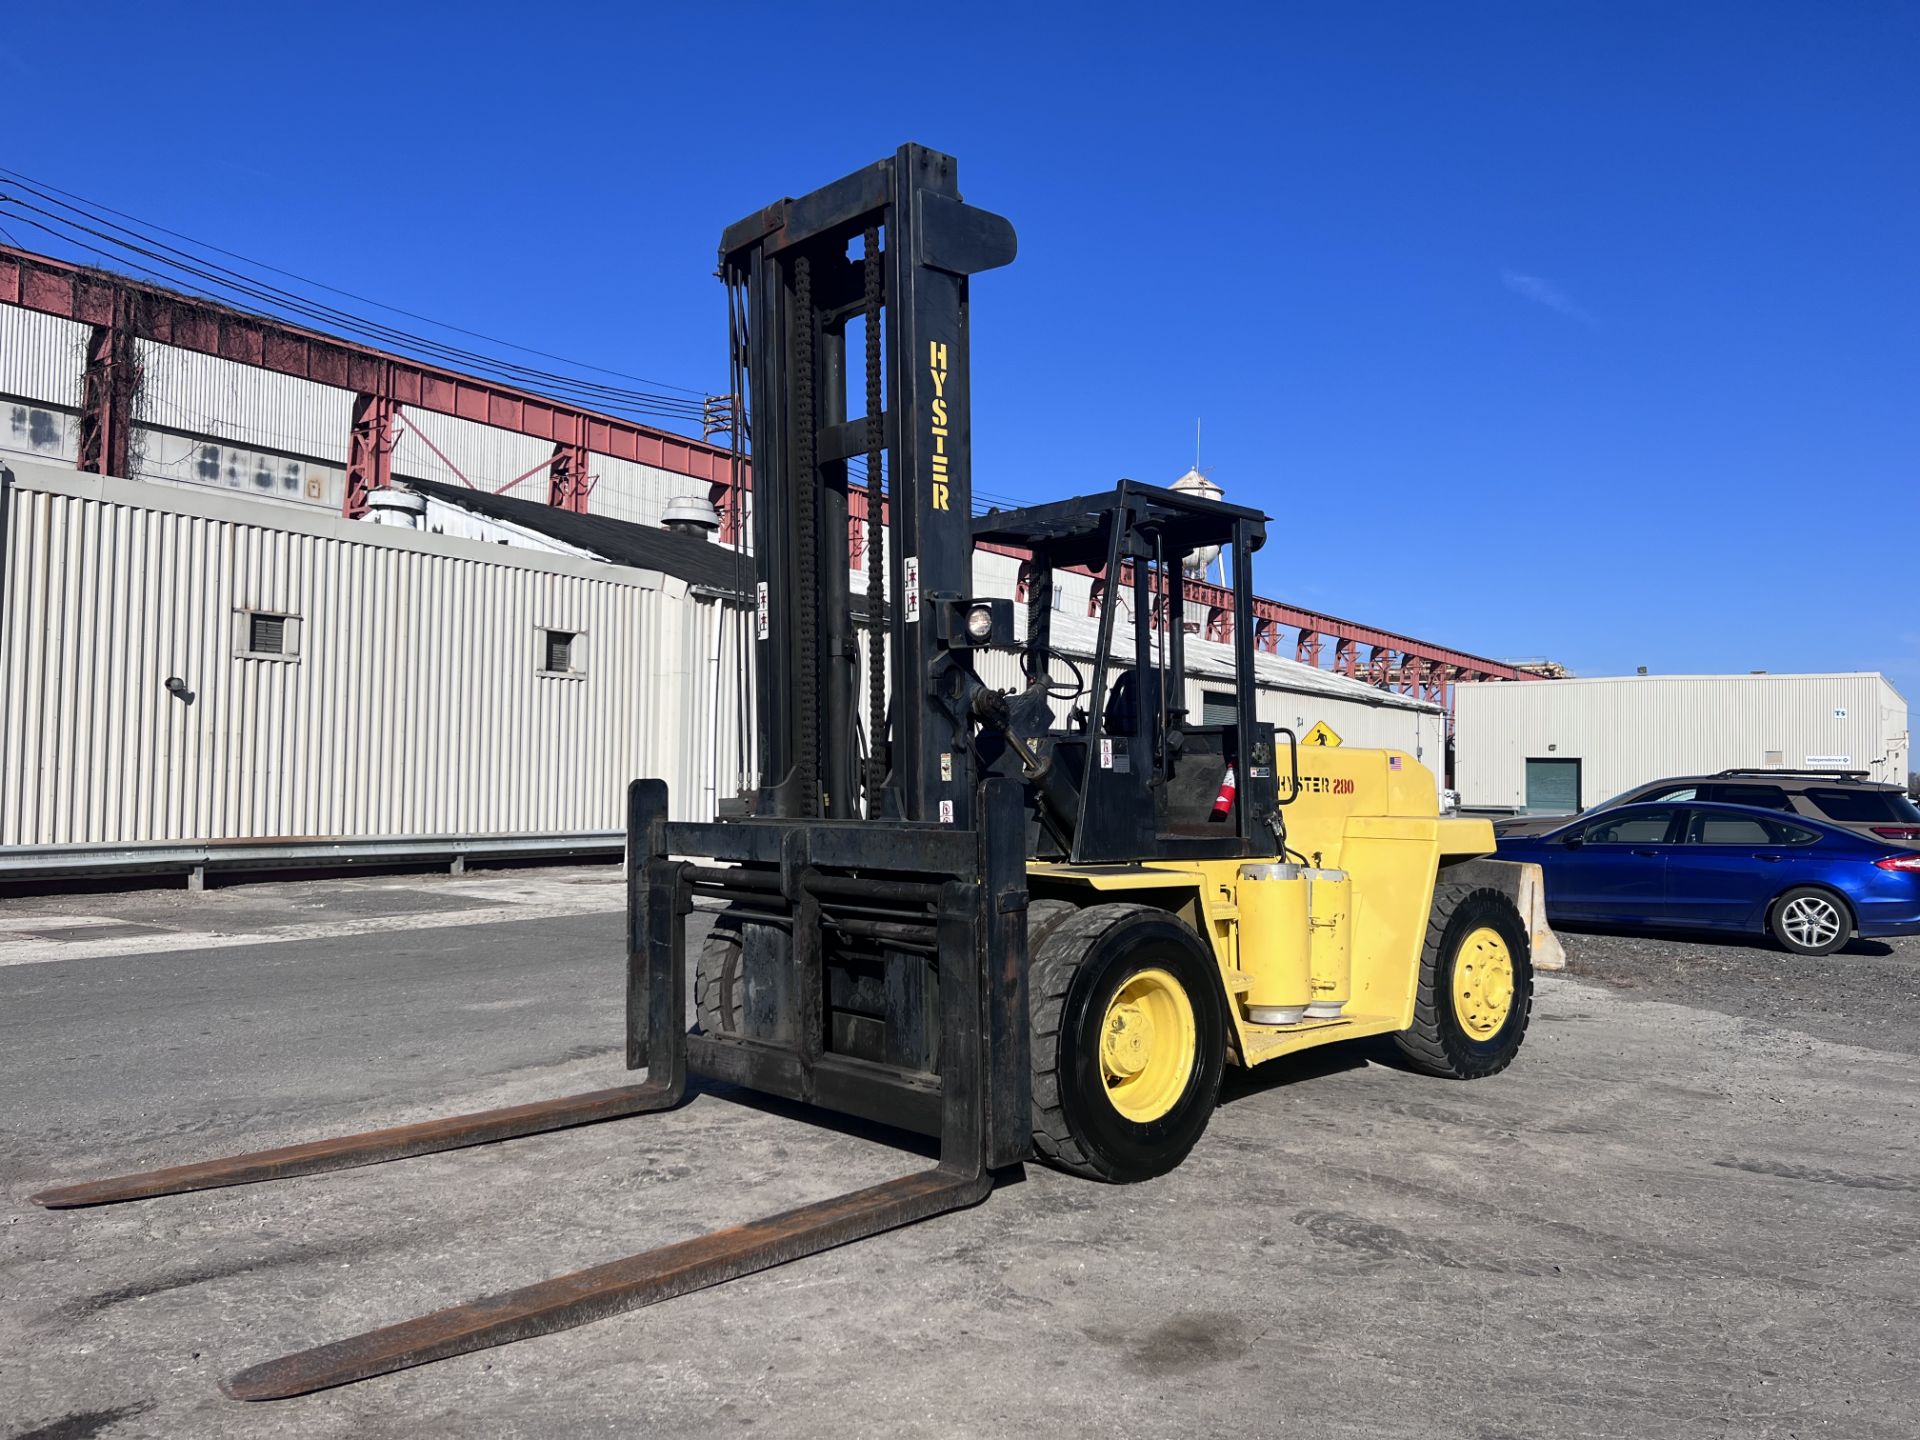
197	859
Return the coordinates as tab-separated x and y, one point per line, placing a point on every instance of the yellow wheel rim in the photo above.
1483	983
1147	1043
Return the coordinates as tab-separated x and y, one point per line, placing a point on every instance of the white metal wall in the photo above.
1626	730
41	359
628	490
261	475
204	396
41	356
470	453
415	706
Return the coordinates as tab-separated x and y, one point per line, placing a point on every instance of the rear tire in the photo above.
1810	921
1476	986
1129	1039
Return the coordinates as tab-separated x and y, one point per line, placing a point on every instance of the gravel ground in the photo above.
1867	993
1691	1208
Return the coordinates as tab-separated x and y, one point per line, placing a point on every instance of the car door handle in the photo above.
1770	859
1648	854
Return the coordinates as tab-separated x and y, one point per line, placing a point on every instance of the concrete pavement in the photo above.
1694	1218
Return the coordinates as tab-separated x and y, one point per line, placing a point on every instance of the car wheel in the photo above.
1810	921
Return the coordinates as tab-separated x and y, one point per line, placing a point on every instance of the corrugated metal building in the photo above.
1563	744
332	680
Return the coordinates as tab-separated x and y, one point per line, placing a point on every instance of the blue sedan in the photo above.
1726	867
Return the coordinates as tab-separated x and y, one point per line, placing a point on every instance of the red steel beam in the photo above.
73	292
110	377
369	450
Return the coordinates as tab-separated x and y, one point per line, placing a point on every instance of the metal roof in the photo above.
644	547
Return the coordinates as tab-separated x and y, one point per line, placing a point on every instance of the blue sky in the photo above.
1585	329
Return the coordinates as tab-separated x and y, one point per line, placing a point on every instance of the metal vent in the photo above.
267	634
559	651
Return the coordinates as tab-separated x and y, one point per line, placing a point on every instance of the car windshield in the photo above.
1857	807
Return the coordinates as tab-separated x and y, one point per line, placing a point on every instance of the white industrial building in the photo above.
189	676
1562	745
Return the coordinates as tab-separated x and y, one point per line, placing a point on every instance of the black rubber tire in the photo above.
1042	917
717	992
1778	930
1437	1043
1078	965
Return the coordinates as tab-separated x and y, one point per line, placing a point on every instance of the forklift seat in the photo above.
1131	690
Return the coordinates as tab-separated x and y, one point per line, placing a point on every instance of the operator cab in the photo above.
1126	774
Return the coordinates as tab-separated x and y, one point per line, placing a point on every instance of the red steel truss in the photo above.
120	309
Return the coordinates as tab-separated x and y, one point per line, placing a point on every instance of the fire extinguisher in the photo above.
1223	802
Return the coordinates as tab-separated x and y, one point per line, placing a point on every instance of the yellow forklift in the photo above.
1034	922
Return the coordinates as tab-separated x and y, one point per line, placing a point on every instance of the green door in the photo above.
1553	786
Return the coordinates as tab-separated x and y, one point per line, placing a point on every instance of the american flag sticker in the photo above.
1393	762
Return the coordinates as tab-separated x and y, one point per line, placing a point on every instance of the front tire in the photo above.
1810	921
719	984
1476	986
1129	1039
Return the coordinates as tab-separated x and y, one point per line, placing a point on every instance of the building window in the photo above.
266	635
562	652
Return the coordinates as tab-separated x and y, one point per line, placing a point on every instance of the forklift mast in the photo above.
890	247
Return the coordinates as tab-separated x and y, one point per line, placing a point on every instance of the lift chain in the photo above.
807	529
876	543
1039	602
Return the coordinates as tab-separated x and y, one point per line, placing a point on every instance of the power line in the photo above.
225	285
226	282
336	290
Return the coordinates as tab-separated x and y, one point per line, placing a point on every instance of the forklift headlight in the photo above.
967	623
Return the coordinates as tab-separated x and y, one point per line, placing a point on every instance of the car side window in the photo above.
1762	797
1667	797
1707	828
1862	806
1644	827
1785	834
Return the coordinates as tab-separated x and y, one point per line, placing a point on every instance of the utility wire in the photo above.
83	203
227	282
223	288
